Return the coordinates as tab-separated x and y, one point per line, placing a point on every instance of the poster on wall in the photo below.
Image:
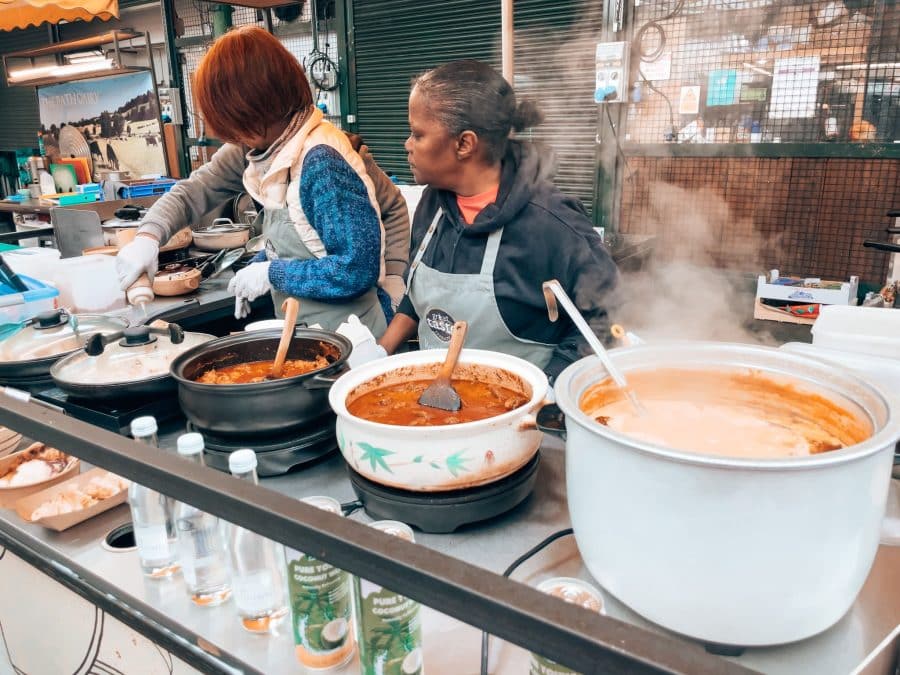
795	84
117	118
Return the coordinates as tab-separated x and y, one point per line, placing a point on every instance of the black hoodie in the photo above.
547	235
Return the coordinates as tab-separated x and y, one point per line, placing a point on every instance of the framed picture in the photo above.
112	120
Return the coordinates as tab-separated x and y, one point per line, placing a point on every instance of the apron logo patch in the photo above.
440	323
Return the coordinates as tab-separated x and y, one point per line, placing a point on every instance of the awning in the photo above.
23	13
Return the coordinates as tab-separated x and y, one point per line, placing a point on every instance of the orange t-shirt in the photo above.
469	207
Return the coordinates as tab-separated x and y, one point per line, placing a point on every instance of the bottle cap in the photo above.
241	461
143	426
139	294
190	444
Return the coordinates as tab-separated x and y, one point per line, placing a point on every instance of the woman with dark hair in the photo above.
491	227
321	215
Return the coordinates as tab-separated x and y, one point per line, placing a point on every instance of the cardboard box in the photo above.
807	291
10	495
800	292
26	506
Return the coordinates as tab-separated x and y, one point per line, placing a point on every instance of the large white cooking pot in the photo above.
446	457
734	551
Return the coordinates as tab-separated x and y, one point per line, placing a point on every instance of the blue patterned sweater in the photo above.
336	204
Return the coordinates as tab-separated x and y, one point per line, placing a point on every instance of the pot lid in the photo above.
135	354
52	334
222	226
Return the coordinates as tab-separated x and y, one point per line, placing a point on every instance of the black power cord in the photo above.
655	25
509	570
615	134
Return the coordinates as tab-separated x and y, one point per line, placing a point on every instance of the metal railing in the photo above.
507	609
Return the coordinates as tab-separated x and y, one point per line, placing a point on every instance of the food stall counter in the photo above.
77	557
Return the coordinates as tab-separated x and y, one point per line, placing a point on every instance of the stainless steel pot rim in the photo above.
479	356
241	338
886	436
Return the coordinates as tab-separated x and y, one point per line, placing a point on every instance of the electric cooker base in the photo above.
445	512
275	455
115	415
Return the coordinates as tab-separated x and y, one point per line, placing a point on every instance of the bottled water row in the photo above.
219	560
216	559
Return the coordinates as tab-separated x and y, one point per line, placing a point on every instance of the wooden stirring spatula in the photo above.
440	393
290	307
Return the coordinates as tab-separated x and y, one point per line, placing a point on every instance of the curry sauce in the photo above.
258	371
735	413
397	404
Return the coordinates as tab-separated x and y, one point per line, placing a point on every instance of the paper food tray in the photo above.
10	495
26	506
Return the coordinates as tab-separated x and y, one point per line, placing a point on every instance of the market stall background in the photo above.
804	178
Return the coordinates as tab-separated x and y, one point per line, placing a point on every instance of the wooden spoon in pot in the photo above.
290	307
440	393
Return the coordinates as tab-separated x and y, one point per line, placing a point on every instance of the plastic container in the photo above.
85	284
862	330
33	261
148	189
16	307
88	284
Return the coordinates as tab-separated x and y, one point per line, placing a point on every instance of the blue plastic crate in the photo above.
156	187
16	306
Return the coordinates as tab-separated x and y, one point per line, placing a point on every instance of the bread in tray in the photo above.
75	500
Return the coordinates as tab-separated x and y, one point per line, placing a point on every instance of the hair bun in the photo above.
526	115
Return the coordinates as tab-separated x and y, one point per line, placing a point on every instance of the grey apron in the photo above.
441	298
283	242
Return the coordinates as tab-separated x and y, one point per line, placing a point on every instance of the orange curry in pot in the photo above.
258	371
484	393
728	412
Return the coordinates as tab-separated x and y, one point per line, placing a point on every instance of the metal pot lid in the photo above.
136	354
52	334
222	226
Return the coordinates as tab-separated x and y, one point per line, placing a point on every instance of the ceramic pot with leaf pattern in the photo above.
448	456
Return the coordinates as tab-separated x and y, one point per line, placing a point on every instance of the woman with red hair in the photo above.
321	217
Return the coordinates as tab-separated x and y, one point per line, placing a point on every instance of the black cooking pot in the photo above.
270	407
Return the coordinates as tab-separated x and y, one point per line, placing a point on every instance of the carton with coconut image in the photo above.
321	605
390	630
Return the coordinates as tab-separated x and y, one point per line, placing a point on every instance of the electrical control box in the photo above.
170	105
612	72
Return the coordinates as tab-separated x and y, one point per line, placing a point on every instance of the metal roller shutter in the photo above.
19	122
395	41
554	66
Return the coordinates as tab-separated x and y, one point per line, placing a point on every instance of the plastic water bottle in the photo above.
152	515
257	564
201	541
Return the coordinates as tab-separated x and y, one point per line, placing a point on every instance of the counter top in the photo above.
492	545
26	206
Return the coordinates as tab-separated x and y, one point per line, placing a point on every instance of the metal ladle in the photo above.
554	288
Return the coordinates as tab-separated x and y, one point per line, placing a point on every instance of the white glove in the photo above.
251	282
365	348
241	308
395	287
135	258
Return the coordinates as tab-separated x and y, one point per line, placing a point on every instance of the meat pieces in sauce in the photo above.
398	404
257	371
